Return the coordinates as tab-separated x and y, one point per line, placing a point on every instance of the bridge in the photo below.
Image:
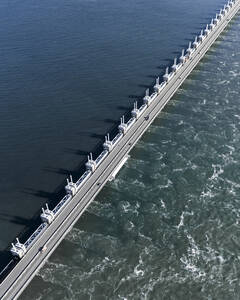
57	222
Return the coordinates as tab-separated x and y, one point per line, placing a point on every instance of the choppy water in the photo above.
168	226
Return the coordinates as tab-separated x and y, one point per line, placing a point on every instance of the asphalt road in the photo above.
17	280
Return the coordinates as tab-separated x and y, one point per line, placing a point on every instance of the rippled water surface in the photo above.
168	226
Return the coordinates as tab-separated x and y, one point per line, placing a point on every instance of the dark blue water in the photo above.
69	70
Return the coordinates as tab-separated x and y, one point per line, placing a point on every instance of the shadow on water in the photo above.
145	86
177	53
62	171
167	60
75	151
196	32
184	46
125	108
137	97
30	225
17	220
97	136
208	19
42	194
52	198
111	121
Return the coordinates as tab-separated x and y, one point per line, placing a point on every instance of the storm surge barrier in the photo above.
29	256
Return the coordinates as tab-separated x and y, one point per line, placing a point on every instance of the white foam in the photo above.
163	205
181	223
217	170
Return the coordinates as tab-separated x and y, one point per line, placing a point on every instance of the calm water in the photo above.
167	228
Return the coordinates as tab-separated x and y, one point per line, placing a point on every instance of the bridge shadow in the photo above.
40	193
97	136
151	76
124	108
168	60
66	172
145	86
111	121
17	220
30	225
185	46
95	223
137	97
51	197
77	152
177	53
